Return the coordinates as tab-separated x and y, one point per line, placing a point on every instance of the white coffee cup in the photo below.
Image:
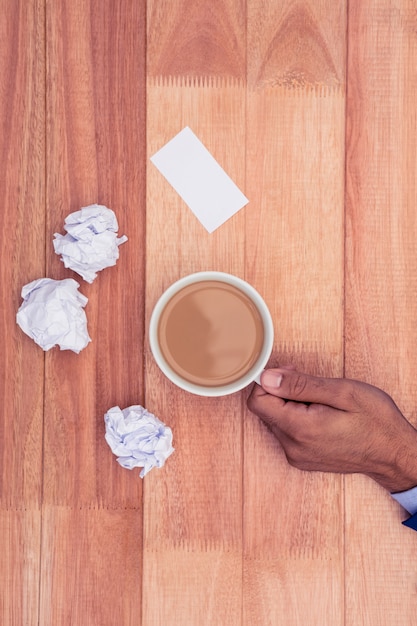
253	375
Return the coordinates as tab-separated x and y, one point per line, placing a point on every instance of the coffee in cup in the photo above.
211	333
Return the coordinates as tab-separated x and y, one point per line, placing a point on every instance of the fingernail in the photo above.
271	379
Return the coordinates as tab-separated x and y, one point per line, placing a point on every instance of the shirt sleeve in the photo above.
411	522
408	500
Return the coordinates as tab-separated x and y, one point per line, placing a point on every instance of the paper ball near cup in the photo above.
247	377
138	438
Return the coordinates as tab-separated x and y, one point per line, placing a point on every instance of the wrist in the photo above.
395	481
401	473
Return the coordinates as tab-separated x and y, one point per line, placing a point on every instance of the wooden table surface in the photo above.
311	108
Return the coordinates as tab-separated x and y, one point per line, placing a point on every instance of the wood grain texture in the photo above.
296	44
95	139
193	510
95	130
20	566
90	572
192	514
199	40
309	105
381	292
22	245
293	521
22	181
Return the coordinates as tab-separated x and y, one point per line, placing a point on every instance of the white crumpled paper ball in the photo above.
52	313
91	243
138	438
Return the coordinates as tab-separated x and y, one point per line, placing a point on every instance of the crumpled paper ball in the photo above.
91	243
138	438
52	313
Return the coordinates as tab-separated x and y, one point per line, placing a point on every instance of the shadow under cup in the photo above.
211	333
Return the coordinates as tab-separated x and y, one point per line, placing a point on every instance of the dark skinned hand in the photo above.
337	425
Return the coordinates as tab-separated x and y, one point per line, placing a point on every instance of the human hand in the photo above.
337	425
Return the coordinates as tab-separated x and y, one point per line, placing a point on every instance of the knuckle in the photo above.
294	457
298	384
385	398
363	396
352	392
294	431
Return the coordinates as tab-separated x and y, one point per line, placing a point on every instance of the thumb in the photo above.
299	387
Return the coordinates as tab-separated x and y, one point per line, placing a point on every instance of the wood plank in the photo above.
96	130
22	87
193	507
280	136
196	499
95	552
381	289
200	40
293	521
22	183
19	566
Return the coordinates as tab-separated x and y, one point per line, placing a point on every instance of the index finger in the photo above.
274	410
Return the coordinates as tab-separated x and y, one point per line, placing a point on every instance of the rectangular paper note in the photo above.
200	181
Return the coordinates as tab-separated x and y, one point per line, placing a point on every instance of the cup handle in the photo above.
257	380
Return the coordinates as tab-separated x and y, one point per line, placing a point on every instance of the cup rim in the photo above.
255	370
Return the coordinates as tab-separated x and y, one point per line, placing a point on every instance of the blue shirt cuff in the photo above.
407	499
